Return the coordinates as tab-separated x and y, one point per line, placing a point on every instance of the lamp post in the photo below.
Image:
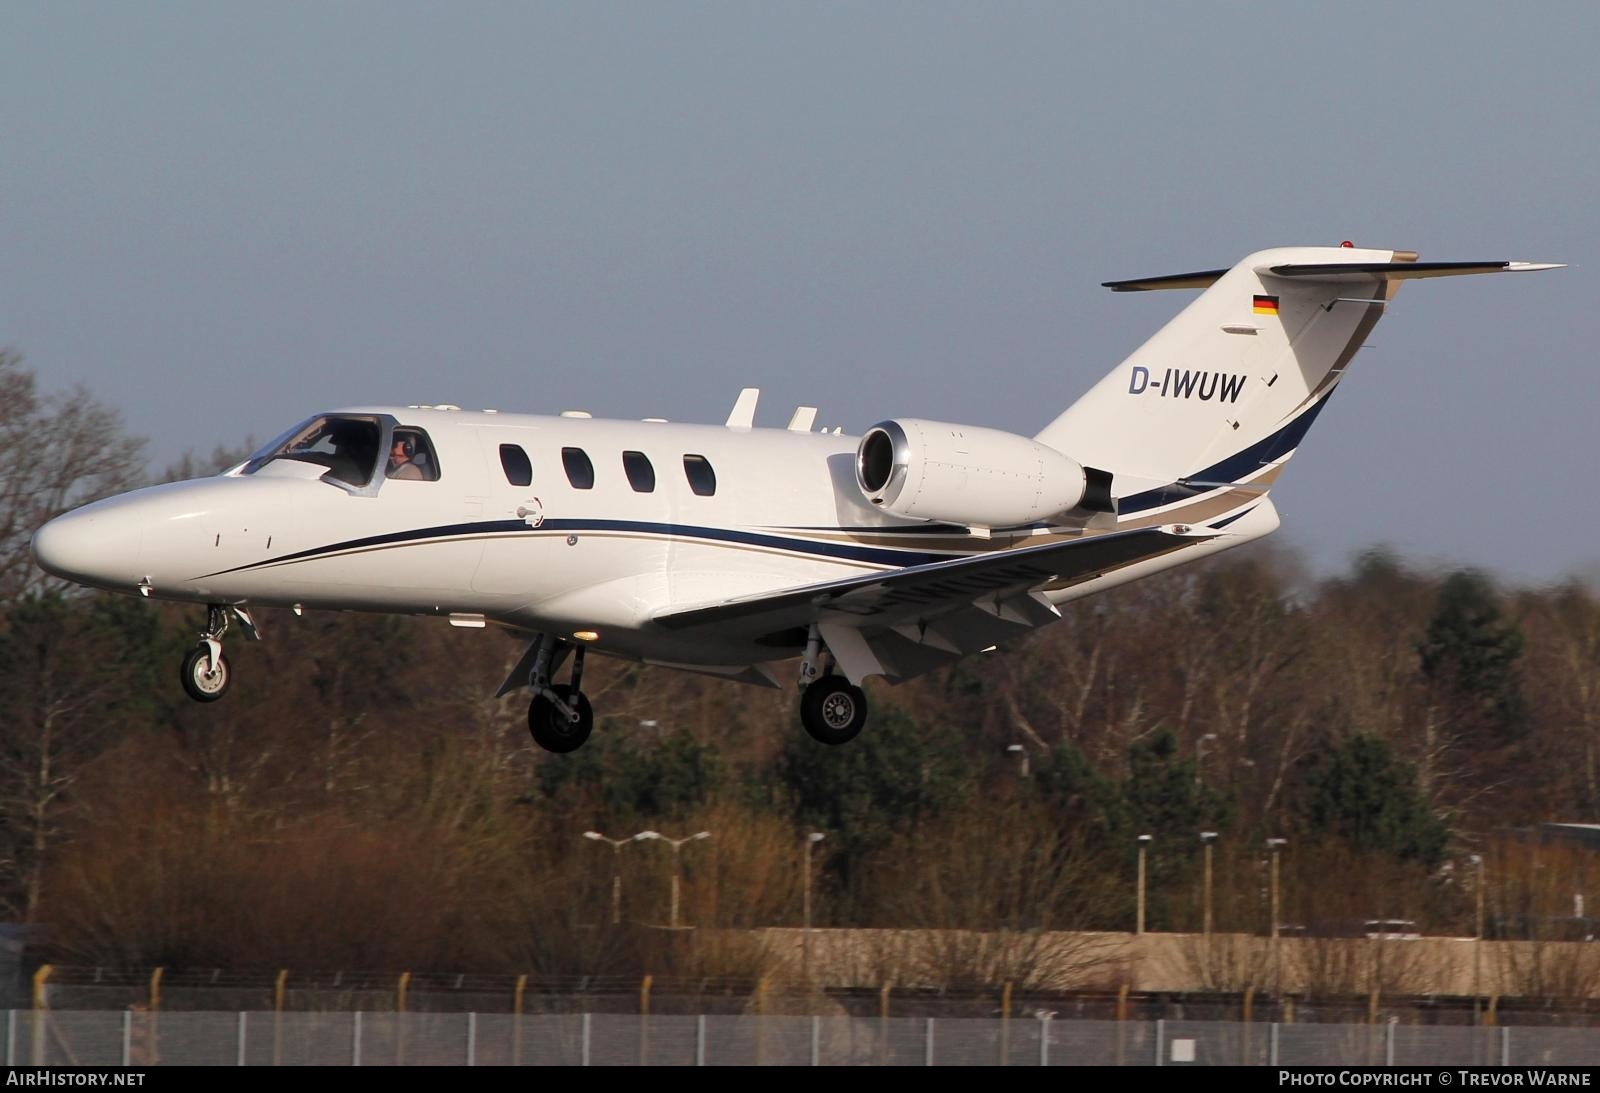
1138	922
812	839
616	869
1274	847
1476	861
1200	758
1207	838
677	845
1021	753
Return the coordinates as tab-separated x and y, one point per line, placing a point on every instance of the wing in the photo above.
904	622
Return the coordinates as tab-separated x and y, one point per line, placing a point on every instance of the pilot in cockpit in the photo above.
401	458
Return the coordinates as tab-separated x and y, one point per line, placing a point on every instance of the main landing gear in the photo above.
559	717
205	673
832	709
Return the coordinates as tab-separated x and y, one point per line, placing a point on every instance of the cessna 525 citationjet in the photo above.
730	549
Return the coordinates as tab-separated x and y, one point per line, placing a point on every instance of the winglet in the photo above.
743	414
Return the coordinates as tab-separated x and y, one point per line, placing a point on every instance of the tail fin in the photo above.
1222	395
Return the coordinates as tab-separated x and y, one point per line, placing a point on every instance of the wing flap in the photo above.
994	585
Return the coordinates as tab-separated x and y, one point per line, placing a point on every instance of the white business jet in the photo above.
731	550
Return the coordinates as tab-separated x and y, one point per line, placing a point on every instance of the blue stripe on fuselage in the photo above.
1231	469
844	551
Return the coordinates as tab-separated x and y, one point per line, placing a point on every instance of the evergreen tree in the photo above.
1164	795
887	781
1471	657
1362	793
635	776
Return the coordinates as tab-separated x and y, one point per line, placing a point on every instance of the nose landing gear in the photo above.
205	674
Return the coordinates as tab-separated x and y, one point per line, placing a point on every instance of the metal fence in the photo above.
268	1038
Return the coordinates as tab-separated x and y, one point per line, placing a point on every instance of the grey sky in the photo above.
223	217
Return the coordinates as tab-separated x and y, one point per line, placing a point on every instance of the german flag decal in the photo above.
1266	305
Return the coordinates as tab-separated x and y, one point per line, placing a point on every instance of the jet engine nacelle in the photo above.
959	474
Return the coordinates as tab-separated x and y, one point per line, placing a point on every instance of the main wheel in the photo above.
551	729
833	710
204	681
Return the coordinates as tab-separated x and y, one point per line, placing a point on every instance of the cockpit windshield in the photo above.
349	445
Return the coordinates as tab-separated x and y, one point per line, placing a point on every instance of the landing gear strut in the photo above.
206	675
559	717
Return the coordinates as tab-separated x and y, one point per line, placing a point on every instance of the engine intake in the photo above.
961	474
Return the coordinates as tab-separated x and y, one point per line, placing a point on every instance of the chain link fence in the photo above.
271	1038
88	988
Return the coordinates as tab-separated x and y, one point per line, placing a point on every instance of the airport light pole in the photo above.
1200	757
1021	753
1207	840
1275	847
1138	922
616	869
677	845
1476	861
812	839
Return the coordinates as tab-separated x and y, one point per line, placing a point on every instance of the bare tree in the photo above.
62	678
56	452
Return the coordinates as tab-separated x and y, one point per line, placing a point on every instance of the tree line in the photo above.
362	800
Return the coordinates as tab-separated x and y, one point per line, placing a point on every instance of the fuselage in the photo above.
768	508
538	523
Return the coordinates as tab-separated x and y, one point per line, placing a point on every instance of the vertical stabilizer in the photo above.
1224	392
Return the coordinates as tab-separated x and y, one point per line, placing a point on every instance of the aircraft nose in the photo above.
89	547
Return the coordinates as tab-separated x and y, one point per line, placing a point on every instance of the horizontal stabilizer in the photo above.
1372	272
1203	279
1348	272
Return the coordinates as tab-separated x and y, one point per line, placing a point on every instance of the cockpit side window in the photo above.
411	456
345	444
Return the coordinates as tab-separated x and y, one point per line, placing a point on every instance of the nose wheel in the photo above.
206	675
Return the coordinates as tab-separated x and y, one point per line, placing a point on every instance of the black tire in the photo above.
833	710
199	683
551	729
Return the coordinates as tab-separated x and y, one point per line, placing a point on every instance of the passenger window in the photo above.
641	475
411	456
702	479
580	472
514	461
